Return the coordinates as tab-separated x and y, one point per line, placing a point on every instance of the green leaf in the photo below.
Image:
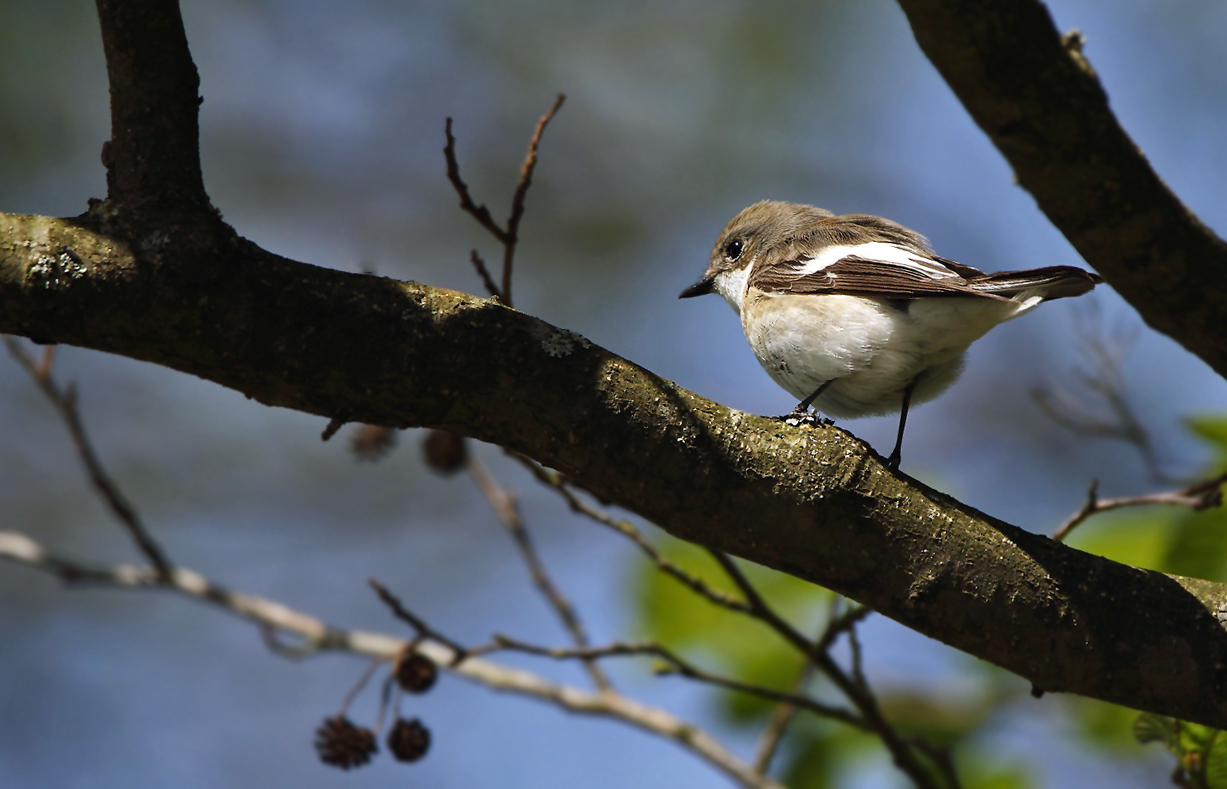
1211	427
1216	762
1198	545
996	776
1136	538
1149	727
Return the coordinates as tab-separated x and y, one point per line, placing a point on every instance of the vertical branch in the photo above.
153	158
517	202
510	235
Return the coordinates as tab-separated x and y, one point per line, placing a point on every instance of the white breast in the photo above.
871	349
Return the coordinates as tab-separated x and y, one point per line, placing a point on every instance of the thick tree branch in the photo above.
153	157
810	501
1037	98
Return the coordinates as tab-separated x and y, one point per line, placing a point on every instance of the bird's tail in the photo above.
1051	282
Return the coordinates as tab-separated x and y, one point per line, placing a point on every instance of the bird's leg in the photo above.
801	415
803	406
897	452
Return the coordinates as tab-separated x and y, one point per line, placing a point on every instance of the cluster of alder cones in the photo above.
342	743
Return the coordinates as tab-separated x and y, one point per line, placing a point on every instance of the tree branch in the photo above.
675	664
65	403
810	501
1198	496
153	157
506	508
273	616
1036	96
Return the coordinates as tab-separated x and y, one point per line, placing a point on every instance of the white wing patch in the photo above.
876	250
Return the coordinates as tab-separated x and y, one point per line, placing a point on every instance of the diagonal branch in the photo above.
1198	496
505	507
813	502
694	583
273	615
65	403
675	664
853	687
1035	95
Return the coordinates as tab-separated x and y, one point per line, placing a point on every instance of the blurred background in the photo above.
322	135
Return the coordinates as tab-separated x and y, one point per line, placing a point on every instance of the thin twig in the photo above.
681	667
510	235
484	273
858	669
517	202
269	613
1099	375
842	623
942	756
478	212
838	622
65	403
334	424
361	683
781	717
1198	496
861	696
554	481
504	506
418	624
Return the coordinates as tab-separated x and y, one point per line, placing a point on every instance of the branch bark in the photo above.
153	156
1036	96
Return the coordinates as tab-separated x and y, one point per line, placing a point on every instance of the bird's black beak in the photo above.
700	288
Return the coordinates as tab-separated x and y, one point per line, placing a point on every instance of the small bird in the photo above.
855	314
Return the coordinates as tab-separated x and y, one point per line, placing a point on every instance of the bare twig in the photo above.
508	236
1198	496
517	202
845	622
781	717
65	403
423	630
359	685
1100	379
484	273
280	618
556	482
334	424
504	505
858	670
858	693
467	204
838	622
680	666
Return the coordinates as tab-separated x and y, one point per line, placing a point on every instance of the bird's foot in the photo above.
799	416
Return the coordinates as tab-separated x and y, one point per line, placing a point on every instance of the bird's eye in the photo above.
732	250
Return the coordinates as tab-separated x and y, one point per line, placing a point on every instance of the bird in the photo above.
854	314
